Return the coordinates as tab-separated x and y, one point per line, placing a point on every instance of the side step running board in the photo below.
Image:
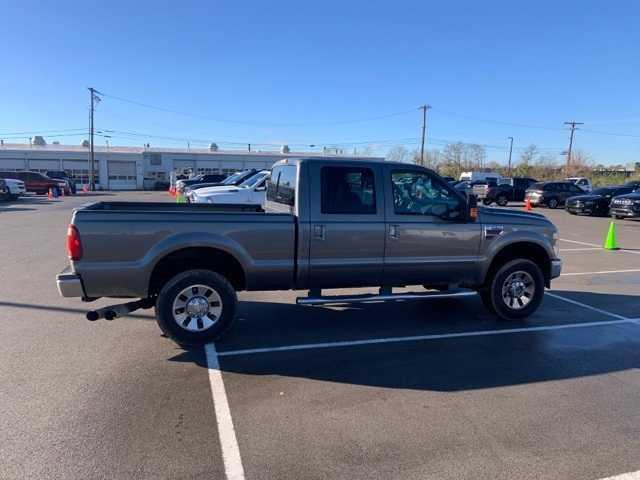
313	300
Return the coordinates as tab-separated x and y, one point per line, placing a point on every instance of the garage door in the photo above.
122	175
43	165
180	166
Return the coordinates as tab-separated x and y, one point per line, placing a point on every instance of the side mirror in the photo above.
472	208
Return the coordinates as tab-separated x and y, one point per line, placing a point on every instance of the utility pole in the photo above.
424	109
93	98
510	151
573	129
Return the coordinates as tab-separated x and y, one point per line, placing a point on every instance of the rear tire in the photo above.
515	290
502	201
196	307
487	202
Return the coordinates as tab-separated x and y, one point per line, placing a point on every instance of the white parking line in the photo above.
625	476
635	252
583	249
228	442
588	307
580	243
601	272
417	338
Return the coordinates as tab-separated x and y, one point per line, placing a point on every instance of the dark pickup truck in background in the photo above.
326	223
504	193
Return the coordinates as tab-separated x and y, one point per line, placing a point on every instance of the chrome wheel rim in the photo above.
518	290
197	308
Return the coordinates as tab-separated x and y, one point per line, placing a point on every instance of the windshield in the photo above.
231	179
253	180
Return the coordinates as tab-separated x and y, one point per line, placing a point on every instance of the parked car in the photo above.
326	223
203	178
250	192
551	194
583	182
37	182
512	190
4	191
16	187
633	183
463	186
199	186
234	179
597	202
62	175
626	206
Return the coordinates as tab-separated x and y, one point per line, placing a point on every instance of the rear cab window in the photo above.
348	190
281	186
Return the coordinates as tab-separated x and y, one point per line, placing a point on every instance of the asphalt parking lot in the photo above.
434	389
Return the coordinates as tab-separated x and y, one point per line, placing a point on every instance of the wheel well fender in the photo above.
528	250
182	252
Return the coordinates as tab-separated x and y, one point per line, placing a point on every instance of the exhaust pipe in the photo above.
114	311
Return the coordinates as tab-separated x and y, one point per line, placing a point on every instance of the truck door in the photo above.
347	225
428	239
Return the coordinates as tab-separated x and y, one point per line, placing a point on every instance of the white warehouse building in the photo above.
134	168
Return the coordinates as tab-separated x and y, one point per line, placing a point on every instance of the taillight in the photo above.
74	245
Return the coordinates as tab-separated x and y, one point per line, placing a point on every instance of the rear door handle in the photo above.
393	231
318	232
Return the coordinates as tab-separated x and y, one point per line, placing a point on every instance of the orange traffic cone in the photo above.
50	195
85	189
527	205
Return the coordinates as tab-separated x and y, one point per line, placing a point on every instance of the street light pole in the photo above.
510	151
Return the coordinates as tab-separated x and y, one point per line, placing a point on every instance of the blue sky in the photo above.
299	72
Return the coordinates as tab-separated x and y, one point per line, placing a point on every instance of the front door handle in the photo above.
318	232
393	232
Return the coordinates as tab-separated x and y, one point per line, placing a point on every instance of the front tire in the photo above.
515	290
196	307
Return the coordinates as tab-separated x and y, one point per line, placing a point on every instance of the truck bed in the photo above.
123	241
169	207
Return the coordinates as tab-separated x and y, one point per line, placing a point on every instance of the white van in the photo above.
474	176
583	182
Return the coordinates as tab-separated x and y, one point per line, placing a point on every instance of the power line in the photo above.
497	122
36	132
255	123
17	137
598	132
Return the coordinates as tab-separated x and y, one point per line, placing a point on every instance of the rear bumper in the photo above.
69	284
556	268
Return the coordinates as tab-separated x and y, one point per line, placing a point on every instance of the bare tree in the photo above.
529	154
398	154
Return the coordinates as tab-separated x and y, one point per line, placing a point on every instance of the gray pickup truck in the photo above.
326	224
